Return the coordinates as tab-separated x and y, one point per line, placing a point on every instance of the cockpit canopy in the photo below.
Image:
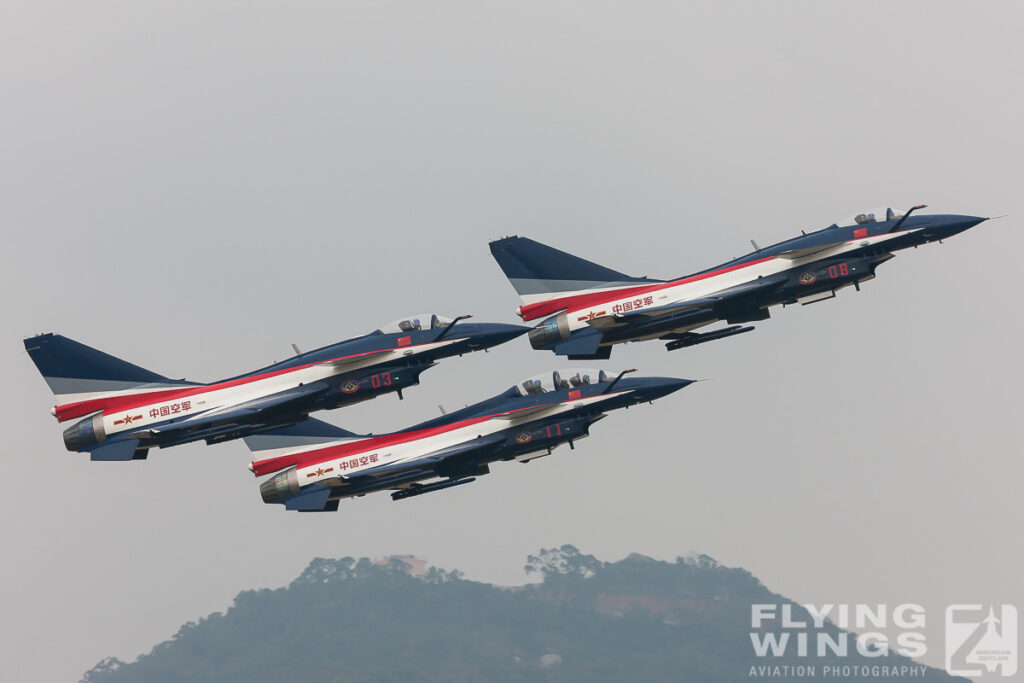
561	379
872	216
414	323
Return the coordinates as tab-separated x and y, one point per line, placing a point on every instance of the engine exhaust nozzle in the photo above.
85	433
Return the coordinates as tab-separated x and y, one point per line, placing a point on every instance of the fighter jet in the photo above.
588	308
315	465
127	409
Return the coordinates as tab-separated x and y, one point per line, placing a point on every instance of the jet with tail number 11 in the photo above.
313	465
587	308
126	409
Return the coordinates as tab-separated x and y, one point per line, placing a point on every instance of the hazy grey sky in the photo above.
195	186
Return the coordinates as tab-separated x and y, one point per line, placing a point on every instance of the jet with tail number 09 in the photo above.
314	465
126	409
587	308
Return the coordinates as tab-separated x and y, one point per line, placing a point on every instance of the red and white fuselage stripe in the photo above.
322	462
127	411
583	305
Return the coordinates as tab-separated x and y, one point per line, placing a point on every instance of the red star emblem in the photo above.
128	419
319	470
591	315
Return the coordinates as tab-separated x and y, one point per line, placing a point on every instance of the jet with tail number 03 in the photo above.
314	465
125	410
587	308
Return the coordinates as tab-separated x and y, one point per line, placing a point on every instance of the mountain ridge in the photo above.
397	619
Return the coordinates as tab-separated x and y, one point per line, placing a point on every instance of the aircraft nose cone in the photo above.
967	222
499	333
954	225
658	387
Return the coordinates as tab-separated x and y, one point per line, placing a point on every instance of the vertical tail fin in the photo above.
76	372
541	273
274	450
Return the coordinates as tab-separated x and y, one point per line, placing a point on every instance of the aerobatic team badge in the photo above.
524	437
808	278
349	387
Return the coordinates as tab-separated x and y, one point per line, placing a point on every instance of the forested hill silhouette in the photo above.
357	620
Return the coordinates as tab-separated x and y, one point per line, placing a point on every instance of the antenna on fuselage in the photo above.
907	215
757	247
297	352
616	380
451	325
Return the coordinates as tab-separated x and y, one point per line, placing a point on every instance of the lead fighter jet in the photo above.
588	308
127	409
315	465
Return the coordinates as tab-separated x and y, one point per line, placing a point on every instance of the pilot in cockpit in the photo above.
872	216
409	325
533	386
